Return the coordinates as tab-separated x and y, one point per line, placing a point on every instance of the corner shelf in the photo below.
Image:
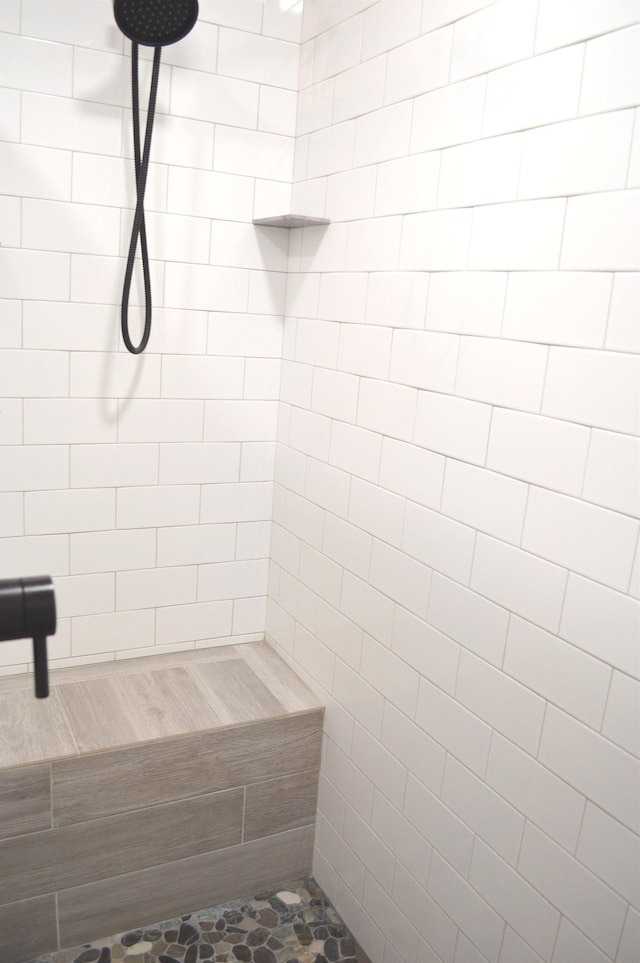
290	220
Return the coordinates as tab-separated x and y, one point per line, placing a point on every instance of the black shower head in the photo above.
155	23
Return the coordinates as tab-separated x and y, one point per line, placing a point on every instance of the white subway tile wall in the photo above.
406	442
455	555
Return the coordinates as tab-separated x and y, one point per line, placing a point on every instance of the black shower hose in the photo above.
139	229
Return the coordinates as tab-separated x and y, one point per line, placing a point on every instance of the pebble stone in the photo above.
292	925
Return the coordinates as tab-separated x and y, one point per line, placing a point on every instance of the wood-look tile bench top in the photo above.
116	704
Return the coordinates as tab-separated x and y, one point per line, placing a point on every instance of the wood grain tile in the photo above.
163	703
95	713
32	730
71	855
27	929
280	804
137	898
25	800
235	692
279	678
101	784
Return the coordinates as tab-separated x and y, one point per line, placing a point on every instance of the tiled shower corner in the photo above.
291	924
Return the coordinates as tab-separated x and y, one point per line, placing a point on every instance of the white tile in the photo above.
195	622
630	937
92	634
277	111
35	171
576	157
339	635
31	64
611	852
116	465
346	544
466	303
372	245
367	607
320	574
622	330
407	185
460	732
622	717
610	72
592	388
323	248
114	375
350	194
10	219
594	766
560	673
397	299
240	420
331	149
347	779
579	895
209	194
503	373
230	580
327	487
304	519
600	232
474	622
342	297
253	540
149	588
520	582
411	471
529	913
484	172
112	551
578	20
34	373
376	511
382	908
541	90
387	408
571	944
84	595
376	857
562	307
26	467
440	931
500	34
193	377
315	106
253	153
380	766
450	115
452	426
68	421
403	579
317	342
285	23
244	16
310	433
248	246
505	705
419	753
359	90
525	235
172	237
471	913
262	379
11	421
10	16
436	241
59	325
587	539
424	359
10	113
400	836
102	77
11	514
387	25
428	651
485	500
441	543
160	420
434	819
603	623
63	122
199	462
245	335
264	60
337	48
148	507
364	350
196	544
633	175
515	950
358	697
382	134
31	555
419	65
11	323
219	100
542	797
236	502
98	278
484	811
540	450
20	267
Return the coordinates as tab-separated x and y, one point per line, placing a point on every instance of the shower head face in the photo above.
155	23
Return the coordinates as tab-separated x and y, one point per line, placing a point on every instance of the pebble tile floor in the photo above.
295	924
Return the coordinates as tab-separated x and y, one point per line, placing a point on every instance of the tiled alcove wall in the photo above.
142	485
455	546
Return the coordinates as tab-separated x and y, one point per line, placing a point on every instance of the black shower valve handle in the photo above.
28	610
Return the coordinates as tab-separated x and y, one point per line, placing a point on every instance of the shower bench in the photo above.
147	788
